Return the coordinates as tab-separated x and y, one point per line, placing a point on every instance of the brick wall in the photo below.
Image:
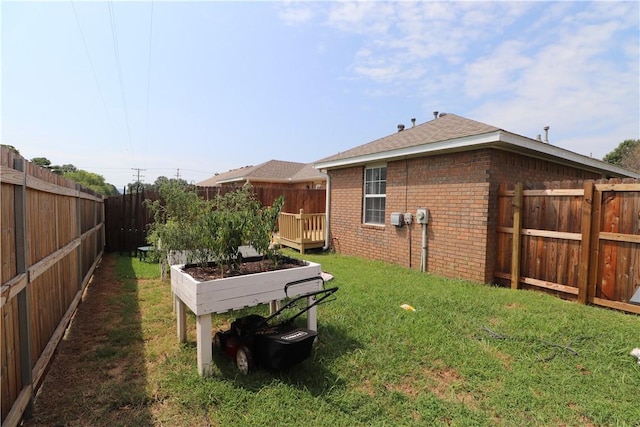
460	191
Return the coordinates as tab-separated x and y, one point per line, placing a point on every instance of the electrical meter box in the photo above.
397	219
422	216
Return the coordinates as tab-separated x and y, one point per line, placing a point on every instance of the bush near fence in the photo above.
127	218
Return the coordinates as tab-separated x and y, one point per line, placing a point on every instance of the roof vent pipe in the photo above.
400	127
435	114
413	122
546	134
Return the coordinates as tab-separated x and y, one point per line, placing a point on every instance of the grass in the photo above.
469	355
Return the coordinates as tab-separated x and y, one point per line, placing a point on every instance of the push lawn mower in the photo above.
252	342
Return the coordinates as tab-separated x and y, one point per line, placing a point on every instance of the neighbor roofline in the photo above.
231	180
270	180
498	139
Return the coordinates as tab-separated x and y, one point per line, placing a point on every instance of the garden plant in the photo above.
213	230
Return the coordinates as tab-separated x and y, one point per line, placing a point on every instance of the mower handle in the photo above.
326	294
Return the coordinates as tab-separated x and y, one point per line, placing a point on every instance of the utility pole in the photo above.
178	174
138	177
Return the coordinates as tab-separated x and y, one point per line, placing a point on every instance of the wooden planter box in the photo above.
233	293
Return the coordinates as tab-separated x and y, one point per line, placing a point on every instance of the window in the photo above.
375	194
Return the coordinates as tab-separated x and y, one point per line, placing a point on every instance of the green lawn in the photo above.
470	355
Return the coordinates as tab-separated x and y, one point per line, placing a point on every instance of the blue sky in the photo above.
197	88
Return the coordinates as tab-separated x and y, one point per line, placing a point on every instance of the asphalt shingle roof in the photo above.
446	127
270	171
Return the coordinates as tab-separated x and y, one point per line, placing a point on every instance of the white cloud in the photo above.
572	83
499	72
378	73
296	13
370	18
400	38
518	65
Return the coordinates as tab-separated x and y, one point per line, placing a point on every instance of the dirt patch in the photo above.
444	382
448	385
367	387
90	378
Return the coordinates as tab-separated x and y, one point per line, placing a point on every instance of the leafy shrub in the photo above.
212	230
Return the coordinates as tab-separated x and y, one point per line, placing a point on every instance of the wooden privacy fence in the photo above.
51	241
126	221
301	231
311	200
578	239
127	218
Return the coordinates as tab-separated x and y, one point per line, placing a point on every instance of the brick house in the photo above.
453	167
273	173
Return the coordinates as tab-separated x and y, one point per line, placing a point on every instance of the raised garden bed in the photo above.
204	297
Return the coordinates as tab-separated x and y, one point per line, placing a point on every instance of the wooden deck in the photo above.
301	231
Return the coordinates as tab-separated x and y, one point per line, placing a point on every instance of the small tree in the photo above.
176	217
43	162
626	155
212	230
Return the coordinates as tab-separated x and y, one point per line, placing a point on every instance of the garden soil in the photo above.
247	267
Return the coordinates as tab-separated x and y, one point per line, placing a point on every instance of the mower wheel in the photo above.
218	341
244	360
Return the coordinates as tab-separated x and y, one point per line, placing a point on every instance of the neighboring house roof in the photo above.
277	171
451	133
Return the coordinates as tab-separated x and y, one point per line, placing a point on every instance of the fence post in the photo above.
95	223
24	329
585	249
80	250
594	255
517	229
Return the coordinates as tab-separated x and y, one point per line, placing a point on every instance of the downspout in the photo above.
422	215
423	254
327	242
406	199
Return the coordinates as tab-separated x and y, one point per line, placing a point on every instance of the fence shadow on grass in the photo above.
98	375
127	389
313	375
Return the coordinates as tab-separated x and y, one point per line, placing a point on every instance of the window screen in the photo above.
375	189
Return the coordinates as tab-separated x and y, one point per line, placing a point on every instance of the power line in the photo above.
146	131
146	169
114	36
138	176
95	76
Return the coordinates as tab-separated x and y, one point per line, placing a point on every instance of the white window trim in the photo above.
365	195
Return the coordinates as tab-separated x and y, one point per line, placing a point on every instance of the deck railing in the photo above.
302	231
